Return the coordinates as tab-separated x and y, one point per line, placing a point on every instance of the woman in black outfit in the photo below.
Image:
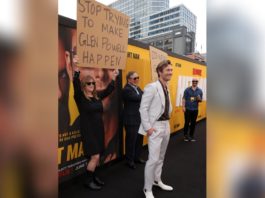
90	107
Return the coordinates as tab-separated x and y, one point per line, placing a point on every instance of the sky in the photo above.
198	7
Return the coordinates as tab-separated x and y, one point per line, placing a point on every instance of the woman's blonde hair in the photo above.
84	81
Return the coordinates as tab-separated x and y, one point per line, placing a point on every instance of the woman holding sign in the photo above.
90	107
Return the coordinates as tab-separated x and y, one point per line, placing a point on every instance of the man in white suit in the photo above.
155	112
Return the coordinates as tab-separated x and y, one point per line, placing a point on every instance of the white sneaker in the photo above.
163	186
148	194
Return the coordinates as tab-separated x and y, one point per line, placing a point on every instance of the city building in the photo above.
153	22
136	9
179	41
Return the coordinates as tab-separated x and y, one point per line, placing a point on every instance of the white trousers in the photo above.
157	146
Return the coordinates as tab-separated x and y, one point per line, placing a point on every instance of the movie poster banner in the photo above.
71	161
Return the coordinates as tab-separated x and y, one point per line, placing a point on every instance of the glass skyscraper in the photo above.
136	9
151	19
163	22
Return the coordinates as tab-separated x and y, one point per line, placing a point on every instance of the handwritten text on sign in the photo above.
102	35
156	57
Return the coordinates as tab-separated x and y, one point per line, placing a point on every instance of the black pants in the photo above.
134	142
190	119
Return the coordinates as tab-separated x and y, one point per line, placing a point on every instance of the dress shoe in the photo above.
163	186
89	181
131	165
140	161
192	139
148	194
186	138
98	181
92	185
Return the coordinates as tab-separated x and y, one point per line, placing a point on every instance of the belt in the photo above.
162	119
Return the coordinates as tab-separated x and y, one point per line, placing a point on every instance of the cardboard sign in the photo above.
156	57
102	35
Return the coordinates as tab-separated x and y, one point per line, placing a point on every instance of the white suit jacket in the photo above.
152	106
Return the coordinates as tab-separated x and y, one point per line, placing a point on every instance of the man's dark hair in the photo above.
162	65
65	36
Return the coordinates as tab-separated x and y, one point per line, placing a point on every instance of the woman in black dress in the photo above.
89	104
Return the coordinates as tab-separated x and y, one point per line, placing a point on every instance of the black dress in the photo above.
91	121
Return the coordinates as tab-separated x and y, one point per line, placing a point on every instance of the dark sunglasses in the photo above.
91	83
136	78
195	81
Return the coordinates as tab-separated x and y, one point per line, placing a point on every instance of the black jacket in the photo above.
131	101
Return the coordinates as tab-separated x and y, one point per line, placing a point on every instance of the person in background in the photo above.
89	103
191	98
155	112
132	95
